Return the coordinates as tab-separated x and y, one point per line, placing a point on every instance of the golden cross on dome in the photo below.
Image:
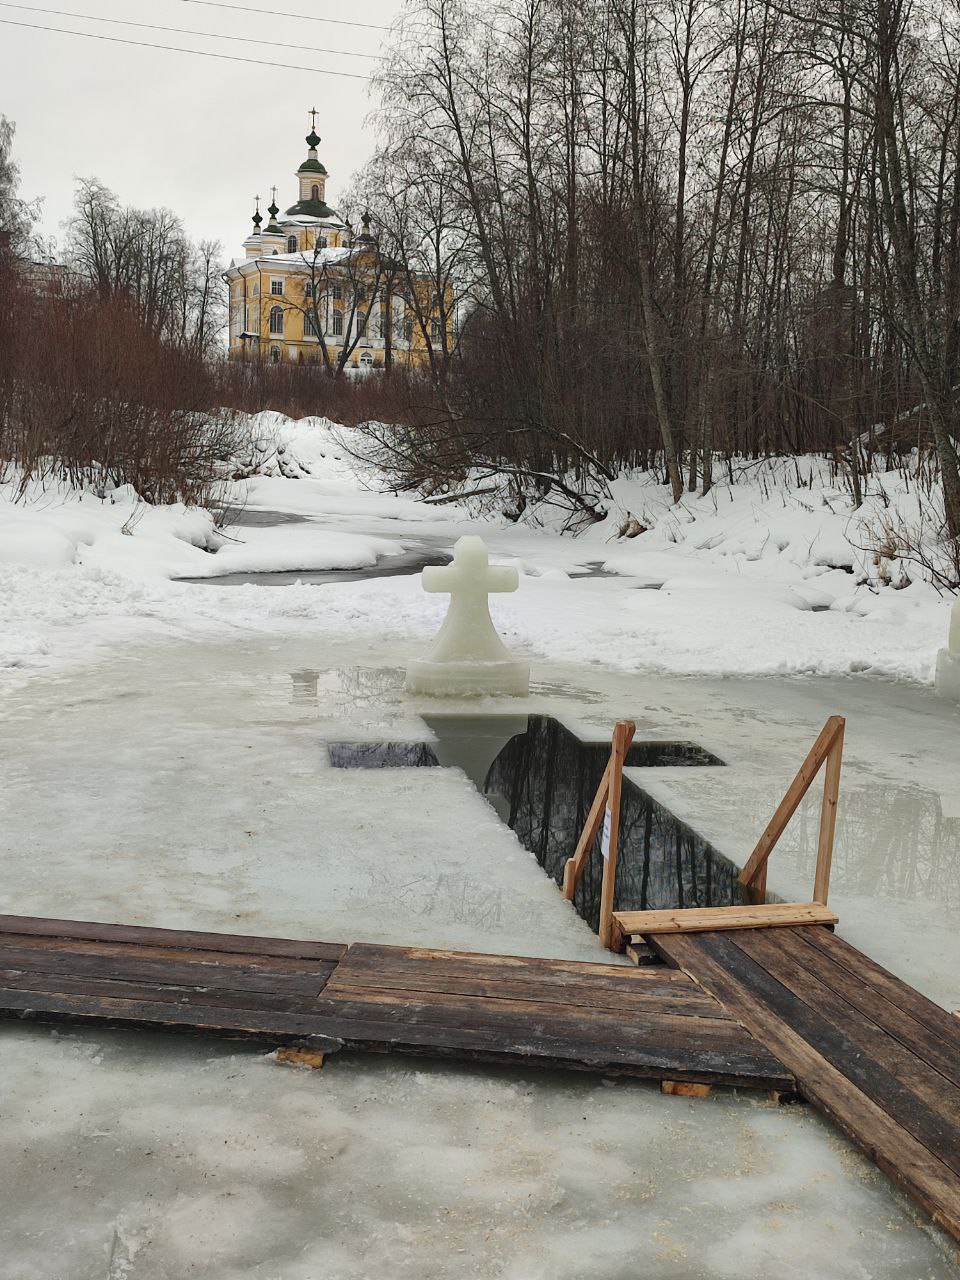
313	119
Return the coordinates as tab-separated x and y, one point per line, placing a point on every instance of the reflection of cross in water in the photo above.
305	685
468	634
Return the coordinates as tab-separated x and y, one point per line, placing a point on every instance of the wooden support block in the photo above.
641	955
617	940
298	1055
685	1089
785	1097
707	919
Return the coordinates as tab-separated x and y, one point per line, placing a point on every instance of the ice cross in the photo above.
468	633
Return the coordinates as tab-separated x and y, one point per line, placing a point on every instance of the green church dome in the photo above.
311	209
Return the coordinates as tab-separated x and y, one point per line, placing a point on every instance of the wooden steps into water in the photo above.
770	915
655	1023
877	1058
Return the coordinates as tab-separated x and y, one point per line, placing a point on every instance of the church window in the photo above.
276	320
291	244
366	358
276	286
408	329
314	192
434	330
309	326
275	355
322	242
337	292
337	320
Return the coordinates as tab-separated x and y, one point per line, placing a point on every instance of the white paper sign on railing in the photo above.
605	836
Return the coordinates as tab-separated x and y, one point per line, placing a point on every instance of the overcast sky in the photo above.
199	135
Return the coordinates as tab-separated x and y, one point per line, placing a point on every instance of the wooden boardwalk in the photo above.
654	1023
876	1057
773	1008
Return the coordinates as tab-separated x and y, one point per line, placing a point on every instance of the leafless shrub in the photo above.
91	397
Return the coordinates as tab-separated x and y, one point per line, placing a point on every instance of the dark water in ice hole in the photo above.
542	779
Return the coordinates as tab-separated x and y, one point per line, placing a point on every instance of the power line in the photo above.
183	31
277	13
172	48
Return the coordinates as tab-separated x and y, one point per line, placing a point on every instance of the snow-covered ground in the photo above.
163	747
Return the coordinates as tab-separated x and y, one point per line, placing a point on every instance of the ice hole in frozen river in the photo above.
541	779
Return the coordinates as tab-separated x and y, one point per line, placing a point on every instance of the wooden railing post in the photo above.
606	800
828	818
622	737
827	748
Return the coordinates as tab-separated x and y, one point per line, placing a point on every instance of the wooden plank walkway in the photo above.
876	1057
654	1023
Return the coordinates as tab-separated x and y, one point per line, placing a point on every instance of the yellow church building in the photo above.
309	290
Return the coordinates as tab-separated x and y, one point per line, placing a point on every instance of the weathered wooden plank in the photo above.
873	975
654	1062
258	1023
189	997
128	965
506	1027
920	1173
529	968
931	1046
690	1001
185	939
454	1009
909	1090
335	1025
522	982
710	919
40	946
655	1023
660	1058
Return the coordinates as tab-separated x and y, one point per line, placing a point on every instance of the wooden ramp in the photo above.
656	1023
876	1057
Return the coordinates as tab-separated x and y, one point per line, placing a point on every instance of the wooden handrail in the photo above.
828	749
606	801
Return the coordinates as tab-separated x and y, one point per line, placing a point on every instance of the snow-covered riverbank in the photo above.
760	578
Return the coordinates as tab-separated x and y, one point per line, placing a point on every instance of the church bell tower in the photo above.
312	177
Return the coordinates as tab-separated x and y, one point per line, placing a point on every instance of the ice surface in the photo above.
164	763
186	784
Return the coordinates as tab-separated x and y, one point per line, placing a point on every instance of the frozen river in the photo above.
185	783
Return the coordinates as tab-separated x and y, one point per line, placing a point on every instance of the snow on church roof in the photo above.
324	257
